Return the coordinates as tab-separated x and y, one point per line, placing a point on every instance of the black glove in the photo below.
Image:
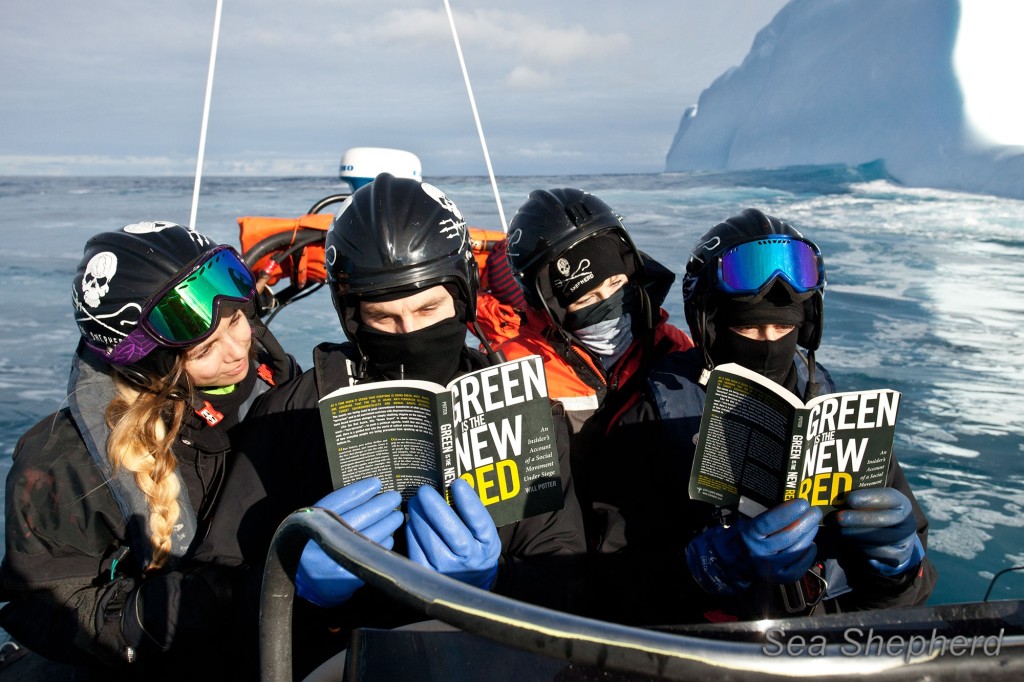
110	608
168	604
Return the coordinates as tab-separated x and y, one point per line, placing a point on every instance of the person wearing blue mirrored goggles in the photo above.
753	294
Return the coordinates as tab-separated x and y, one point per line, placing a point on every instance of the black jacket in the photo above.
76	541
650	520
283	466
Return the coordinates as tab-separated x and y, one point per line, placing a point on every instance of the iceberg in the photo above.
848	82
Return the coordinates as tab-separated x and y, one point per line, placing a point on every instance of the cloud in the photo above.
546	152
526	78
85	164
537	49
422	25
536	42
597	85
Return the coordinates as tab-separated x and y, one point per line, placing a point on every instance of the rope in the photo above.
476	116
206	116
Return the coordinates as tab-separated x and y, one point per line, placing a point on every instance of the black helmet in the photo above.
550	223
121	269
701	288
397	234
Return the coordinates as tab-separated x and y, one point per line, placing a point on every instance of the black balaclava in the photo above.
773	359
584	267
432	353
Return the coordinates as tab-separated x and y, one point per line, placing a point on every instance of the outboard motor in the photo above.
360	165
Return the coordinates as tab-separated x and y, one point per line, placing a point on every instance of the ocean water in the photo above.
925	295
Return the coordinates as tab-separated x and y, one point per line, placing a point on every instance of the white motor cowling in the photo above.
360	165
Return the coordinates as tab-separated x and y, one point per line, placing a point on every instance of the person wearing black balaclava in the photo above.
593	306
590	281
403	281
594	316
760	334
753	295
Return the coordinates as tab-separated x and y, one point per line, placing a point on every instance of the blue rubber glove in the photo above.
463	545
880	522
319	578
717	560
781	540
777	545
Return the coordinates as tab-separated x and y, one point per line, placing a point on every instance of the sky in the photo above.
117	87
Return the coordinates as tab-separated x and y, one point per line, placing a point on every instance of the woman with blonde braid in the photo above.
109	499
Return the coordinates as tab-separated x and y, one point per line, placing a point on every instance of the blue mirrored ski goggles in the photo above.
747	268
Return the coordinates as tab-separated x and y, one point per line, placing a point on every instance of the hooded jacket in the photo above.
596	401
77	536
640	479
575	377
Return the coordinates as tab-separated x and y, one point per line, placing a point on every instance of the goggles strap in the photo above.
130	349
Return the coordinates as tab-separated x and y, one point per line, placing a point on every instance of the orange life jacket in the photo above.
579	398
266	240
293	248
482	241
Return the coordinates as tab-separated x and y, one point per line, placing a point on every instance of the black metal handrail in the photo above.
581	641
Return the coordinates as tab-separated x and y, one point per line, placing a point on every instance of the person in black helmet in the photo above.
404	282
593	300
109	497
753	294
594	315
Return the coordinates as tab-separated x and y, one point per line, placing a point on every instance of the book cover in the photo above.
759	445
492	427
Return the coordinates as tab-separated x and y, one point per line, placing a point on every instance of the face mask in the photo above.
608	339
429	354
618	304
773	359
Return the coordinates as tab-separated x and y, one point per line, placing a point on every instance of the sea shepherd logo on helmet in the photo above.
95	284
453	228
512	243
109	277
709	246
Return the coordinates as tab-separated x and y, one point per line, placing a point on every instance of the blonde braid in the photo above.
141	441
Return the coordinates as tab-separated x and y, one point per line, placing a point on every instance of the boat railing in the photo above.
724	651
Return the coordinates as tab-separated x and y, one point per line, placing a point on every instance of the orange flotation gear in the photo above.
285	247
482	242
293	249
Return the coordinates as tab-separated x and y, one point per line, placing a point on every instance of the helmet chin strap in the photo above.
811	391
705	374
494	357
